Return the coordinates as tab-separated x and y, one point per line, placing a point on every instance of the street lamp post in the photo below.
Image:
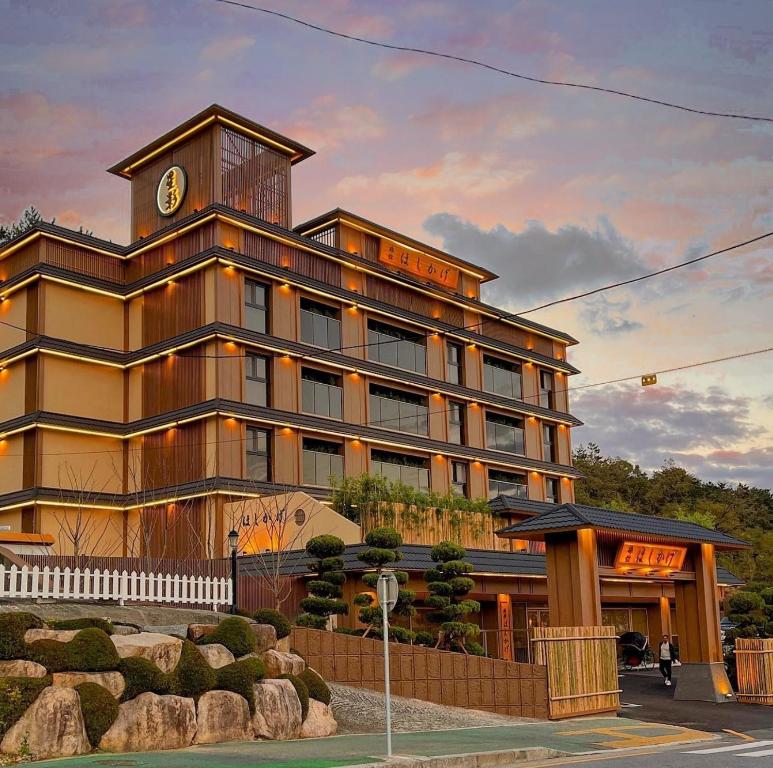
387	593
233	542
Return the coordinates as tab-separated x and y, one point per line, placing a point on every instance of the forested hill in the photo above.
673	492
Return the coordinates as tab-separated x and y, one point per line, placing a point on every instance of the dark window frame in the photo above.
549	446
253	308
253	435
519	490
249	376
455	368
314	449
501	426
325	328
319	379
547	395
494	383
456	426
463	486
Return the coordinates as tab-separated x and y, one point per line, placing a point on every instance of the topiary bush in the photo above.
142	676
84	623
192	676
324	598
316	686
240	677
12	629
51	654
99	708
301	690
16	695
276	619
234	633
91	650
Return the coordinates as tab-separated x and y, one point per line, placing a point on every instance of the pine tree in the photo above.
325	591
29	218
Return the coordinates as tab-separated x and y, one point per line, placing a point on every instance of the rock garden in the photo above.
69	687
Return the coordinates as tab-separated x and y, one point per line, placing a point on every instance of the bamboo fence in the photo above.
754	669
581	669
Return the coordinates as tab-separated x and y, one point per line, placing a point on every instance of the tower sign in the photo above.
171	190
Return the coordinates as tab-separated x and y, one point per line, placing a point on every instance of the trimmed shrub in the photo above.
192	676
426	639
142	676
276	619
325	592
240	677
99	708
50	653
16	695
315	685
234	633
12	629
91	650
84	623
301	690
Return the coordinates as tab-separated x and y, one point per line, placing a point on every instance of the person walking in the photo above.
667	654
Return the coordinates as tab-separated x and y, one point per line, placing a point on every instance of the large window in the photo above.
548	442
258	454
396	346
454	363
551	490
321	393
397	409
256	306
455	422
321	461
402	468
320	324
502	377
546	390
256	379
459	478
507	484
504	433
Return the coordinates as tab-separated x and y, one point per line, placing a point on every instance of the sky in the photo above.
557	190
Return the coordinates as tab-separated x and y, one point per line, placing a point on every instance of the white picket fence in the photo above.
76	584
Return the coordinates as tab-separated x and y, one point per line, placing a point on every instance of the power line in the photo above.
499	70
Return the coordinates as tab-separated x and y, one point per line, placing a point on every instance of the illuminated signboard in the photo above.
636	554
418	264
171	190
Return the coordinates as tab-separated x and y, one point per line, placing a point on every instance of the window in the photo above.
258	454
551	490
320	324
256	306
548	442
321	393
546	390
321	461
502	377
459	478
397	409
402	468
507	484
454	363
504	433
395	346
256	379
455	423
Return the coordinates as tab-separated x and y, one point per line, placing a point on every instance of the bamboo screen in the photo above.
581	668
754	664
255	178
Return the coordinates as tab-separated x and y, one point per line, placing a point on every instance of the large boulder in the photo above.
176	630
277	710
278	663
283	644
163	650
21	668
52	726
113	681
265	637
319	721
60	635
151	722
222	716
216	655
125	629
197	631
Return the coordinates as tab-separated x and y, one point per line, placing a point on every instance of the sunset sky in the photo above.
557	190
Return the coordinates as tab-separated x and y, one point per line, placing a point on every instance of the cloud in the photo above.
534	262
604	316
226	47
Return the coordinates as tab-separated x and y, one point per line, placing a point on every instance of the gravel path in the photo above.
360	710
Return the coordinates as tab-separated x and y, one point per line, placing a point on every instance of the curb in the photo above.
499	759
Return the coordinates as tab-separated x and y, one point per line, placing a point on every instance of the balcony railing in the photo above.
399	415
320	330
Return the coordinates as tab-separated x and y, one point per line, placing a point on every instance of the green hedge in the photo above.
301	690
91	650
276	619
142	676
99	708
12	629
16	695
240	677
192	676
84	623
234	633
316	686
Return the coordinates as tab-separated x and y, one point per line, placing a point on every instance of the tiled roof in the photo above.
503	503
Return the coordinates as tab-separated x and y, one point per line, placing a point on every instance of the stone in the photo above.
163	650
21	668
52	726
277	710
112	681
265	637
216	655
125	629
282	663
195	631
60	635
319	721
283	644
176	630
222	716
151	722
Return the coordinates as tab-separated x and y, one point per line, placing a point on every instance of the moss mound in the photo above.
315	685
84	623
301	690
240	677
142	676
234	633
16	695
99	708
12	629
278	620
192	676
91	650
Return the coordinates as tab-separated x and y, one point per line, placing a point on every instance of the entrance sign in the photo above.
387	590
171	190
633	554
417	263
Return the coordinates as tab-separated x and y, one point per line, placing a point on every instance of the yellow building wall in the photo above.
82	389
135	322
11	463
353	335
355	386
284	384
14	312
83	530
283	305
12	381
436	357
80	463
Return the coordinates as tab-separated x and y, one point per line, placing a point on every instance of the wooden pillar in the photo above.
574	598
505	627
